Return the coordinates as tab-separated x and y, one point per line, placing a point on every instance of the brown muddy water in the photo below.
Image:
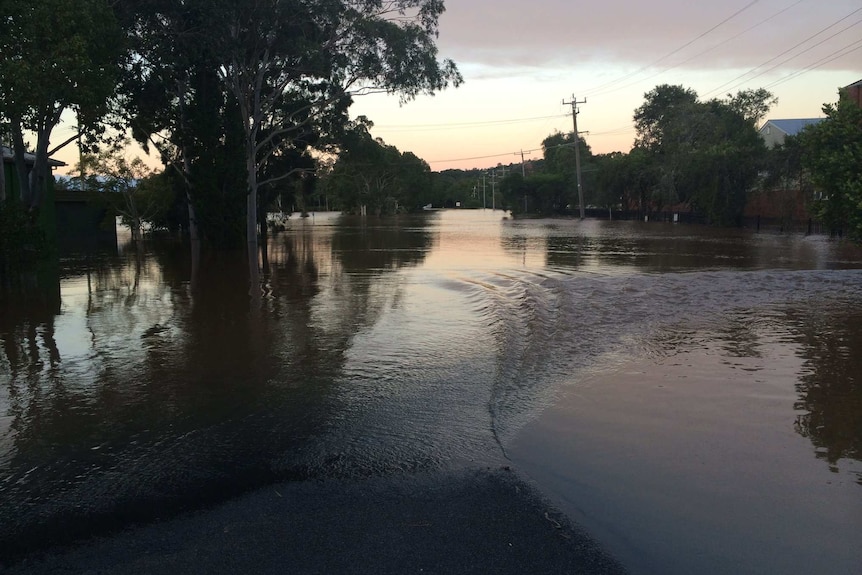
692	396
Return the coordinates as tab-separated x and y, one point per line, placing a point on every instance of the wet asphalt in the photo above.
464	521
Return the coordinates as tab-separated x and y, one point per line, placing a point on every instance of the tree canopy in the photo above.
370	176
703	154
57	55
269	80
832	154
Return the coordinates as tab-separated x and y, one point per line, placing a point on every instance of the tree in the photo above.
832	153
131	187
666	120
559	153
613	183
704	154
752	105
174	101
371	174
321	54
217	84
57	55
725	164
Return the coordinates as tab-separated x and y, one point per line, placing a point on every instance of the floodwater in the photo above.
692	396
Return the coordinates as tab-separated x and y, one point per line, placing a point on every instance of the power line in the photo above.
453	125
710	49
825	60
614	131
518	153
601	89
472	158
723	86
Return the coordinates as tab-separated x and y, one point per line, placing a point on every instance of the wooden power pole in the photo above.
575	111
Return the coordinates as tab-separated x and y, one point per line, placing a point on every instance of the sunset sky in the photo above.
521	60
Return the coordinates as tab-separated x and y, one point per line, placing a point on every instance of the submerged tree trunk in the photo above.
187	169
2	169
2	174
20	162
251	221
39	174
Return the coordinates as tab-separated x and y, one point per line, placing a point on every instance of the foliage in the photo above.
57	55
554	188
613	180
290	63
372	176
174	101
457	187
752	105
22	242
703	154
832	153
138	195
271	80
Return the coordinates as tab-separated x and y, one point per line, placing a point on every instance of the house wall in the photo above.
85	221
854	93
771	135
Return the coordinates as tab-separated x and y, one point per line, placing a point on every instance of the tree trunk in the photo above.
251	222
2	173
187	170
20	162
39	174
2	169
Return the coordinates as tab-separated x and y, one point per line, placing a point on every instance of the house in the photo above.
71	220
47	218
774	132
853	92
10	174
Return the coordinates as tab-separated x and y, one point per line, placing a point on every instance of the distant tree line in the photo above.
701	157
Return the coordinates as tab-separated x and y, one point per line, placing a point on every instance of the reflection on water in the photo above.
830	385
380	346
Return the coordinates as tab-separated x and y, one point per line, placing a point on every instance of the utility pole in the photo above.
483	192
575	111
503	170
493	188
524	176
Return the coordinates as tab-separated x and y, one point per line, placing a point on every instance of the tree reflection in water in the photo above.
159	393
830	388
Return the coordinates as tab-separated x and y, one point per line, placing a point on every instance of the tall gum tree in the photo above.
174	101
322	53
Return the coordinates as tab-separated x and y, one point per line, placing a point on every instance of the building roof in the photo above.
853	85
791	127
9	156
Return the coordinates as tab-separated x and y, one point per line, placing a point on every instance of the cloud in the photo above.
506	33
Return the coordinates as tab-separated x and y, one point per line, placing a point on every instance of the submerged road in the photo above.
473	521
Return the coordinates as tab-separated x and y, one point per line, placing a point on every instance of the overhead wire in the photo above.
840	53
702	52
595	91
453	125
797	45
603	88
